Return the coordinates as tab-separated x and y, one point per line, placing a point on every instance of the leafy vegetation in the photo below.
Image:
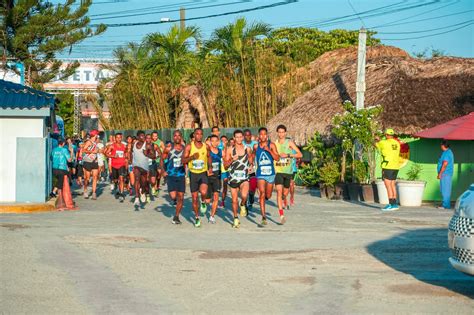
66	111
414	172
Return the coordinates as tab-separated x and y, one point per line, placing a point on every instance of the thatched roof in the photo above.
415	94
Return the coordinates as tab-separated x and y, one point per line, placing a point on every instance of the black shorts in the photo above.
236	184
196	180
213	186
117	172
138	171
89	166
176	183
79	170
71	165
389	174
154	169
283	179
59	174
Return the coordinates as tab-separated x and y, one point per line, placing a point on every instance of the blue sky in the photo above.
407	24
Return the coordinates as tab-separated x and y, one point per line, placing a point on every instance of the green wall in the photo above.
426	153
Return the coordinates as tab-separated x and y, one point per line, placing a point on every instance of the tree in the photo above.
34	32
66	111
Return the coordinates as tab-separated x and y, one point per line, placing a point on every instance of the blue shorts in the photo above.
176	183
269	179
224	175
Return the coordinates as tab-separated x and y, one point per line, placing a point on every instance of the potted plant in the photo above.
410	191
329	176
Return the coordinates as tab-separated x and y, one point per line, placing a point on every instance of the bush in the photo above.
309	173
414	172
361	174
329	173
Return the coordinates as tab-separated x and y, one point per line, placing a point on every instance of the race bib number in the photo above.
240	175
198	164
215	166
177	162
119	154
266	170
283	162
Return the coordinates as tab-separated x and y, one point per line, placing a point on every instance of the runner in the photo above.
265	155
90	163
118	162
224	172
61	157
174	172
79	165
109	162
154	171
238	159
71	165
214	185
101	159
250	143
197	156
142	152
283	167
294	166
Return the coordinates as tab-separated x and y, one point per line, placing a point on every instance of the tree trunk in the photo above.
192	99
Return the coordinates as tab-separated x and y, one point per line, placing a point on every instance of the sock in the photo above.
281	212
392	201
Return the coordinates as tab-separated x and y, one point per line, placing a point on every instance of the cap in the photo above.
94	132
389	131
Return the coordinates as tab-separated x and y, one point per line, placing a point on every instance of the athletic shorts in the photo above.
283	179
71	164
130	168
117	172
154	169
59	174
236	184
269	179
196	180
89	166
213	186
253	183
79	170
138	171
389	174
176	183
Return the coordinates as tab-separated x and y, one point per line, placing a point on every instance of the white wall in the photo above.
10	129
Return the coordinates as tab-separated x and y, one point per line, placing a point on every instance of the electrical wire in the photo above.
430	30
430	35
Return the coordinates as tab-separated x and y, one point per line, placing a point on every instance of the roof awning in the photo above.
461	128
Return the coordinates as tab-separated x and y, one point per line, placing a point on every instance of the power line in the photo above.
143	9
430	35
353	9
430	30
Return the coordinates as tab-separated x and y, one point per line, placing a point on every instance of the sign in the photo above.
86	76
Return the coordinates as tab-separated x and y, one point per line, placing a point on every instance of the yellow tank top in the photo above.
200	164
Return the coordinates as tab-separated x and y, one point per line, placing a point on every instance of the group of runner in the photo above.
246	163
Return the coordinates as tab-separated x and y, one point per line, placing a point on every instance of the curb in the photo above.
27	207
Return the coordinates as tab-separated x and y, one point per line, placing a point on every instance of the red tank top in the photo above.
118	153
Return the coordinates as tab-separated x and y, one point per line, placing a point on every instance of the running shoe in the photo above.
154	192
176	220
243	211
148	199
264	221
212	220
94	196
112	187
86	195
282	219
52	195
203	207
387	208
142	198
136	203
121	198
197	223
236	223
395	207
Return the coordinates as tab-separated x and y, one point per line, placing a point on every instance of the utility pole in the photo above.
182	17
77	114
360	84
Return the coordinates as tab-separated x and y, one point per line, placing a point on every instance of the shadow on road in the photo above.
424	255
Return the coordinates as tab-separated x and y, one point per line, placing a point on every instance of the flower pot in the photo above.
355	191
367	192
342	191
382	195
327	192
410	193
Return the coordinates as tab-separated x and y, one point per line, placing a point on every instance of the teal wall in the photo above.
426	153
33	172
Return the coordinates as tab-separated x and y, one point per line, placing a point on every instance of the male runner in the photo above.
109	161
283	167
238	159
116	152
224	172
142	152
197	156
294	166
155	174
214	185
265	155
175	173
90	163
250	143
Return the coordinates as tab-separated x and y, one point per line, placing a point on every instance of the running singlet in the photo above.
264	162
238	170
90	157
200	164
294	166
158	143
284	164
175	165
216	163
118	152
139	157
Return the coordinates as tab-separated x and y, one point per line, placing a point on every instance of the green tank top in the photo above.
158	143
284	164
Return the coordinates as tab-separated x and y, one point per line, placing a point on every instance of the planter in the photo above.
410	193
368	192
355	191
342	191
327	192
382	196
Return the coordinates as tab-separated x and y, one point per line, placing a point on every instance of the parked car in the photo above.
461	233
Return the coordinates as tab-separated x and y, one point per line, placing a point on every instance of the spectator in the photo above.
445	174
61	157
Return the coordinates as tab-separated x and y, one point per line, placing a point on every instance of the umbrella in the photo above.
461	128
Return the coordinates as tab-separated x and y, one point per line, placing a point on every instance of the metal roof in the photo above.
14	95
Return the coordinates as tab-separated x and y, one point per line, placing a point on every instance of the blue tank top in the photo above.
175	166
216	162
264	162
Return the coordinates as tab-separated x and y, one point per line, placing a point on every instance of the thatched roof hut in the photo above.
416	94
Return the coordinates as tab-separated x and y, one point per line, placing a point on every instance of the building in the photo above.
26	117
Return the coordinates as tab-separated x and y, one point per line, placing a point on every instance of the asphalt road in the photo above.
330	257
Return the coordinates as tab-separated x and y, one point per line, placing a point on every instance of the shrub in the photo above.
329	173
414	172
